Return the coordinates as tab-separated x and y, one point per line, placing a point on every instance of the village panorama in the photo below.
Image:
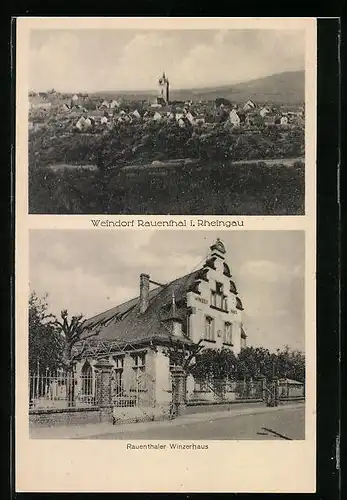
232	150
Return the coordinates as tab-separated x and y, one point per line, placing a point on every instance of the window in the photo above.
187	332
213	298
87	379
218	299
209	328
225	303
228	334
118	376
119	363
139	362
139	368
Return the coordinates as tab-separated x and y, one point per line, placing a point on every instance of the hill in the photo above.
281	88
284	88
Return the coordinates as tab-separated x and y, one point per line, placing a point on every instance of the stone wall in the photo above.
75	416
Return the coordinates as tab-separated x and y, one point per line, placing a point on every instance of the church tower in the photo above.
164	92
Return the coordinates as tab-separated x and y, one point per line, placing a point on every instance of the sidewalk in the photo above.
88	430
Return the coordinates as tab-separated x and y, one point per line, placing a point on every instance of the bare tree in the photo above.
183	355
74	331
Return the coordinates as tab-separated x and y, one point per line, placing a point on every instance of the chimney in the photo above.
144	292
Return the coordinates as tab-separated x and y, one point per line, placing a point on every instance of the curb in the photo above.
107	427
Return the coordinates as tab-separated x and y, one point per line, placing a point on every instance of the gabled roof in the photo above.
290	381
125	322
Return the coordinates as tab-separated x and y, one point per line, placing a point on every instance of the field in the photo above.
253	188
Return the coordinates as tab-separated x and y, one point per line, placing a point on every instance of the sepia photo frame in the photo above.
306	453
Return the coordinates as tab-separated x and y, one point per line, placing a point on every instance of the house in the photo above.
88	122
190	115
183	122
194	117
264	111
179	116
114	104
136	114
291	388
234	118
127	118
284	120
80	123
84	123
104	105
201	308
249	105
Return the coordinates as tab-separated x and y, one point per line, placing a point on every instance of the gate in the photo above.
271	393
136	392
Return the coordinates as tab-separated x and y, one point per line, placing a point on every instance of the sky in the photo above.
93	60
90	271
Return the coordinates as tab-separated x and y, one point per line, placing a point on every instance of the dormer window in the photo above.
219	288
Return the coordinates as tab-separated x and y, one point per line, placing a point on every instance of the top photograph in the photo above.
169	122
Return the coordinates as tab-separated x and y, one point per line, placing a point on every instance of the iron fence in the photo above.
61	389
225	389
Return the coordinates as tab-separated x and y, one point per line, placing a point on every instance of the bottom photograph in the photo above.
166	335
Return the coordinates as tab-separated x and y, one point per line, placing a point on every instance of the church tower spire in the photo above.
164	89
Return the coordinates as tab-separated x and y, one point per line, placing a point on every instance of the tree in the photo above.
181	355
73	331
45	341
214	364
215	367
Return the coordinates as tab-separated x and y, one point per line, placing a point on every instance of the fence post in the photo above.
178	392
103	394
263	389
276	391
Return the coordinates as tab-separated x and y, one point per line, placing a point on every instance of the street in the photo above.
284	423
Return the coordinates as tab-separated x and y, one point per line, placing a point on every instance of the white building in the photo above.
249	105
234	118
202	307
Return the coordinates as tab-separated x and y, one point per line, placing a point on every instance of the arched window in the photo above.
87	379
